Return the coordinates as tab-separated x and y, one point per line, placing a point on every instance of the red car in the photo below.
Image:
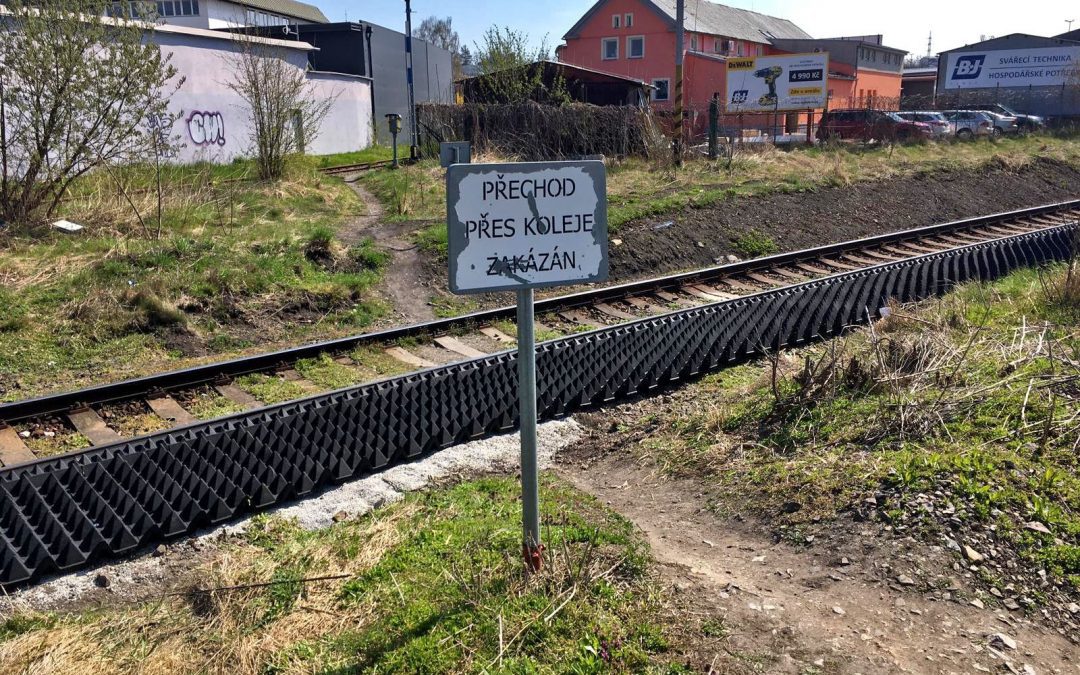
870	125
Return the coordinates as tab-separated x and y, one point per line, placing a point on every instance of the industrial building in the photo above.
1031	74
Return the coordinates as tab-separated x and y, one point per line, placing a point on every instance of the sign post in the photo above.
520	227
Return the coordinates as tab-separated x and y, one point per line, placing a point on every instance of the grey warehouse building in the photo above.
370	50
1031	74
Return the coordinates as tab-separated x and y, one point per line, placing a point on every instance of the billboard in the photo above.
1041	67
786	82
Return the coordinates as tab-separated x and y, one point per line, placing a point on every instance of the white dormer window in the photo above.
628	21
616	20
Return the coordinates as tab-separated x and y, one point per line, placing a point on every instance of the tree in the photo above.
503	57
286	111
77	89
441	33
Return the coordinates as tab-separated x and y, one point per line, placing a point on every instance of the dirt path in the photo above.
794	610
403	283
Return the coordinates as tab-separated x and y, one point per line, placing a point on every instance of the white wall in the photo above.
214	122
347	127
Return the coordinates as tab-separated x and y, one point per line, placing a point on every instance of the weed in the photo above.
753	244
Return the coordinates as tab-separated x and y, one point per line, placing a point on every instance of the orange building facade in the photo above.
636	38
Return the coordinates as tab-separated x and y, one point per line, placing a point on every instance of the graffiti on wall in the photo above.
164	145
206	128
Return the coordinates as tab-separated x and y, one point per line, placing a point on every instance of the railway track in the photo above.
108	414
357	168
69	511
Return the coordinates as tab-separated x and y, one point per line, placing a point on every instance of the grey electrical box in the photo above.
456	152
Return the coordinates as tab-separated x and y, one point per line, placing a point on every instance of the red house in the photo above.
636	38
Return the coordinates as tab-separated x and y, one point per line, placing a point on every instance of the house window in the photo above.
740	49
610	51
718	46
635	47
615	19
165	8
693	43
629	21
761	50
663	86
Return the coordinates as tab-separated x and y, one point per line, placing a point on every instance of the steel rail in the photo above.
195	376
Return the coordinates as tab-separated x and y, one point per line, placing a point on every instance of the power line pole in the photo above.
680	38
413	127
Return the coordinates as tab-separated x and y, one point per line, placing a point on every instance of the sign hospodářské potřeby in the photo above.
526	225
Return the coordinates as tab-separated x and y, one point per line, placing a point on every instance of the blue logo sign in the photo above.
968	67
740	96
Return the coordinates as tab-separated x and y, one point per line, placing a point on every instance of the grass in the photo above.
237	265
971	398
431	584
375	153
639	189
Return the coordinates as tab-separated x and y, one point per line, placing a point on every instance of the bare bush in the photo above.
286	113
77	91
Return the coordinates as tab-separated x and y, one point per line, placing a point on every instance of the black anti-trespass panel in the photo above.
65	512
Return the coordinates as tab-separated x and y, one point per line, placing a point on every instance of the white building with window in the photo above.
216	14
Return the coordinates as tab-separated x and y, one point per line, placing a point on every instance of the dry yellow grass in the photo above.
225	631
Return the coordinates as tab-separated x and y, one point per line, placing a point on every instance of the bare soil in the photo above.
406	285
801	220
836	605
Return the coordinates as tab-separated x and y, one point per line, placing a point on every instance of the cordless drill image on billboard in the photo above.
770	75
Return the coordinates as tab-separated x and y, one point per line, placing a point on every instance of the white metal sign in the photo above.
1044	67
526	225
787	82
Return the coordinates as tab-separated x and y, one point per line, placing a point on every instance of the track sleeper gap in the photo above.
577	317
762	279
812	269
789	274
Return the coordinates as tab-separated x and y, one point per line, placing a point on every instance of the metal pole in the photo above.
530	482
409	67
680	38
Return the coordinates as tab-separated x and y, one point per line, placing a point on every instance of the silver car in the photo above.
940	126
969	123
1003	124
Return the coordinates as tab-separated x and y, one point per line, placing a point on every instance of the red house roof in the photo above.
714	19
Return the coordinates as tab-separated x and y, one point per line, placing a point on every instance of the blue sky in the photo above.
904	24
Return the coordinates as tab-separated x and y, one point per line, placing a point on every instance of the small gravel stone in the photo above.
905	580
1001	640
839	611
973	555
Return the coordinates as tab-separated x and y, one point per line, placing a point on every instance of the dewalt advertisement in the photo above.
785	82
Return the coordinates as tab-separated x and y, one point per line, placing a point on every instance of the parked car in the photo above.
1003	124
938	124
869	125
969	123
1023	122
